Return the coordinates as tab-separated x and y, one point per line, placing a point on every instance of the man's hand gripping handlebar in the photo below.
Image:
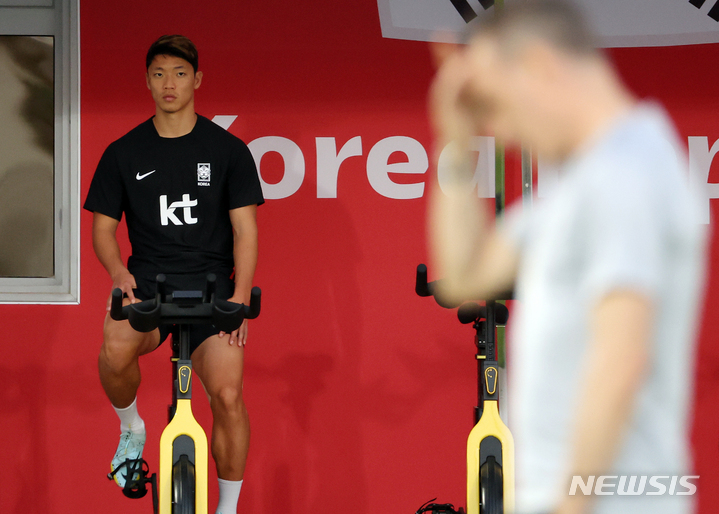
185	307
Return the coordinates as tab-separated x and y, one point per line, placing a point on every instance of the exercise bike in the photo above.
182	487
490	446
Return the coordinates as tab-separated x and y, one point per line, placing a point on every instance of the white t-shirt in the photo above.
621	217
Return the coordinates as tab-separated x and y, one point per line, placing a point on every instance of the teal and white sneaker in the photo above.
130	448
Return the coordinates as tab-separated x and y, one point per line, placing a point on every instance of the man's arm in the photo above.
619	352
472	258
104	242
244	228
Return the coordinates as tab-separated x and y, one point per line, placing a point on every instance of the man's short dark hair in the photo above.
175	45
559	22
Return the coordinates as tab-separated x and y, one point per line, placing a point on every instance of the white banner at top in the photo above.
619	23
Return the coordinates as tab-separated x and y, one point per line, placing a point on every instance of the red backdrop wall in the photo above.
360	393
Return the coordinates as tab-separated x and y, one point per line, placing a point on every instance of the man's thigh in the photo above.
218	364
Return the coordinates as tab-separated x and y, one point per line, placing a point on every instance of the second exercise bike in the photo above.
490	445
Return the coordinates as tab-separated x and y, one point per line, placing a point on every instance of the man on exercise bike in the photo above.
189	191
607	269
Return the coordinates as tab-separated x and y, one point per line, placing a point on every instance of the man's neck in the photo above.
174	124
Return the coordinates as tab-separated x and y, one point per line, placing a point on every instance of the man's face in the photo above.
514	96
172	82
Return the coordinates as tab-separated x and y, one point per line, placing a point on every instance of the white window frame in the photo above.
60	19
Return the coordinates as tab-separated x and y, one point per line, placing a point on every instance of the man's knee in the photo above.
121	347
227	400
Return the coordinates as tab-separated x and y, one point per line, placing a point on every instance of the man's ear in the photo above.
147	79
198	79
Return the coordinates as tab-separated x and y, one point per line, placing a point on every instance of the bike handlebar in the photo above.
469	312
421	286
424	288
185	307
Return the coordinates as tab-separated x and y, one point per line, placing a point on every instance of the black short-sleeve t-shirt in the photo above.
176	194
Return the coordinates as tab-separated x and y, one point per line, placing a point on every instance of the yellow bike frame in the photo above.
183	423
490	425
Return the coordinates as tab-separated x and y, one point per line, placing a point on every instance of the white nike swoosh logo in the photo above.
140	177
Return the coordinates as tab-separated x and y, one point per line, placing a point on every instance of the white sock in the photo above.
130	419
229	496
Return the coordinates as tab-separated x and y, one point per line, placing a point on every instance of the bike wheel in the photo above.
491	487
183	486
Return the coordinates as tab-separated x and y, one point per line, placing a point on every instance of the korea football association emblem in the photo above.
203	174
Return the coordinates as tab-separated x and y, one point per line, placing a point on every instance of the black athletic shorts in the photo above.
225	288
